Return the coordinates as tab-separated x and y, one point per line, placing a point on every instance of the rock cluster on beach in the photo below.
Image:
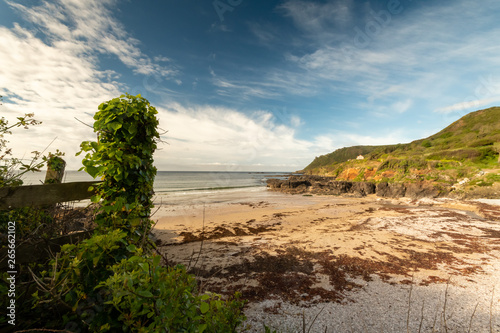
309	184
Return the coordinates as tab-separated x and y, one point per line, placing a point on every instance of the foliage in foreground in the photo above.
12	169
112	282
105	285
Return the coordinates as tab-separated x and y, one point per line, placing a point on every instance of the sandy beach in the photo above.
342	264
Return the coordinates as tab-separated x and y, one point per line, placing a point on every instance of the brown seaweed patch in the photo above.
222	232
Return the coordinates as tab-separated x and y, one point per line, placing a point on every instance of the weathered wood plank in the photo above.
47	194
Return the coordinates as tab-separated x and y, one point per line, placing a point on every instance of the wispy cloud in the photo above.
54	83
53	70
244	89
318	17
467	105
407	62
90	26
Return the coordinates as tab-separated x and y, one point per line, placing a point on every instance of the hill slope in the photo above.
466	151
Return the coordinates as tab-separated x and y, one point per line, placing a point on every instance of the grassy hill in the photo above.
466	151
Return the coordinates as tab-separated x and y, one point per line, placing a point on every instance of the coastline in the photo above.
295	255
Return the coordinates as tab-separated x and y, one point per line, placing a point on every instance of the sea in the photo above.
187	187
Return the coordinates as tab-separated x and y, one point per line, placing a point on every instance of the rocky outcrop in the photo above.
329	186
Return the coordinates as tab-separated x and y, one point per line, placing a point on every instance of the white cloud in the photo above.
208	135
315	17
419	56
58	77
90	26
475	104
56	84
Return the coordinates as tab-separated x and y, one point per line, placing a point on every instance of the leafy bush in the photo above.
9	167
457	154
151	298
426	144
446	135
30	223
487	155
493	177
482	142
108	286
112	282
123	157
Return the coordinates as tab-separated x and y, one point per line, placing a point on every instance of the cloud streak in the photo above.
53	70
414	57
91	27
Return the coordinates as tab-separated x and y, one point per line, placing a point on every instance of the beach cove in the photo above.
341	264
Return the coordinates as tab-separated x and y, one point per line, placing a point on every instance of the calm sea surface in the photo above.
184	187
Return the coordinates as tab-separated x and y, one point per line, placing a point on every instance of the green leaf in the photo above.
132	129
115	126
156	261
92	171
96	260
144	293
204	307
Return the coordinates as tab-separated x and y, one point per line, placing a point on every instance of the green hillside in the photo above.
461	150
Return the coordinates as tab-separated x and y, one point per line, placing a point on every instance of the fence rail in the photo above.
40	195
46	194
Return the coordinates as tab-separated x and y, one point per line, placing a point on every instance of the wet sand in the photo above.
368	264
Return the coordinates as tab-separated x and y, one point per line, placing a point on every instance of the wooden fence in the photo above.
40	195
46	194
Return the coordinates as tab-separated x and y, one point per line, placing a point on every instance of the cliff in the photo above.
463	157
307	184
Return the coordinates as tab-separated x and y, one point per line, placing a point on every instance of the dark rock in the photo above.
382	189
398	190
363	188
274	183
393	190
421	190
370	188
330	186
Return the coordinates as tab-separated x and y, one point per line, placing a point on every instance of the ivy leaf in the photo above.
145	293
92	171
204	307
115	126
132	129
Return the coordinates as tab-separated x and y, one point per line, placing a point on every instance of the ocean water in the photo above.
186	187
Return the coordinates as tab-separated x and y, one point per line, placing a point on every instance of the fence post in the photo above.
55	170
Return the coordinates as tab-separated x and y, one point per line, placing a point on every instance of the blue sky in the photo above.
246	85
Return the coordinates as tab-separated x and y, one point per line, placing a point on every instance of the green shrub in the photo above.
446	135
487	155
493	177
123	157
151	298
480	182
456	154
482	142
111	282
12	169
426	144
103	284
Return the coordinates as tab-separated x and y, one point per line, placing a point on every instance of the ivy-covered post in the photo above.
127	137
55	168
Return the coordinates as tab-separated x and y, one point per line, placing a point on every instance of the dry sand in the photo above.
362	264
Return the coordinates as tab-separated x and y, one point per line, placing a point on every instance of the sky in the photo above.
244	85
